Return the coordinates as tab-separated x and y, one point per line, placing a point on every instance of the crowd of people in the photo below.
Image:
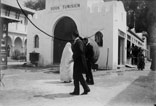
138	57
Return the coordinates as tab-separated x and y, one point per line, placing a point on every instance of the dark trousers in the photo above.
78	78
141	64
89	75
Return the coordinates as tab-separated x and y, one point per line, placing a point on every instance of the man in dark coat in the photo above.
140	61
80	65
89	56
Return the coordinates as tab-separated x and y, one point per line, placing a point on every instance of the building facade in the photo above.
135	41
105	22
15	22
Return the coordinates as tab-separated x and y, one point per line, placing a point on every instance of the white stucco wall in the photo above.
90	18
114	19
106	27
46	43
119	23
44	40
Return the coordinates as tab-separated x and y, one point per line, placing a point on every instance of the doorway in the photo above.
121	51
62	34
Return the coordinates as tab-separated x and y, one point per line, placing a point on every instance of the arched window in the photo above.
99	38
36	41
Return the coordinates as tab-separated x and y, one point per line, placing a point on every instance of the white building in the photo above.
15	23
105	20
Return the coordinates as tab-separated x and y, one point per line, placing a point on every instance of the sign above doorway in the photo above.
65	6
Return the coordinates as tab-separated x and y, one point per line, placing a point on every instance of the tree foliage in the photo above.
141	14
36	5
136	14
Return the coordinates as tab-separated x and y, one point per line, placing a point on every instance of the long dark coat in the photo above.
80	65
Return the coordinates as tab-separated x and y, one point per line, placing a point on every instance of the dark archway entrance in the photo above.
63	30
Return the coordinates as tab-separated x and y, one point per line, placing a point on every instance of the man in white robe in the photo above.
66	66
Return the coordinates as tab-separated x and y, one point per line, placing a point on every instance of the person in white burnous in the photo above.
66	66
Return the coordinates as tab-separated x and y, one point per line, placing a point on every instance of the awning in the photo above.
9	19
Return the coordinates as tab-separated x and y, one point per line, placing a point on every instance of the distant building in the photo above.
135	41
14	26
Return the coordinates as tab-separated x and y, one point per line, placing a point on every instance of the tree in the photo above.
36	5
141	15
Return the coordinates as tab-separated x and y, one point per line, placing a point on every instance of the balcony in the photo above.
17	28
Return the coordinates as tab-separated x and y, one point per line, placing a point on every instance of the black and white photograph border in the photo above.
77	53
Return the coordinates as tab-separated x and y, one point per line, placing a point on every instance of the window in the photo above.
36	41
17	15
7	12
99	39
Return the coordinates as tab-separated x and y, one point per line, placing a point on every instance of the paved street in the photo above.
42	87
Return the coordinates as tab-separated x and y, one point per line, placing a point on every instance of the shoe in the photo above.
67	81
74	93
90	83
85	92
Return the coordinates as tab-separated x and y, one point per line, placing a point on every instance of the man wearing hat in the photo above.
80	65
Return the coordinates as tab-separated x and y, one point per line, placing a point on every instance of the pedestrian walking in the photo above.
141	60
89	55
80	65
66	66
8	50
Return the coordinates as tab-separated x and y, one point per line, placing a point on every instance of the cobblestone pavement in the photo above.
42	87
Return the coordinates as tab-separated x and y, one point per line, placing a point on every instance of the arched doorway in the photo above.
18	44
63	31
